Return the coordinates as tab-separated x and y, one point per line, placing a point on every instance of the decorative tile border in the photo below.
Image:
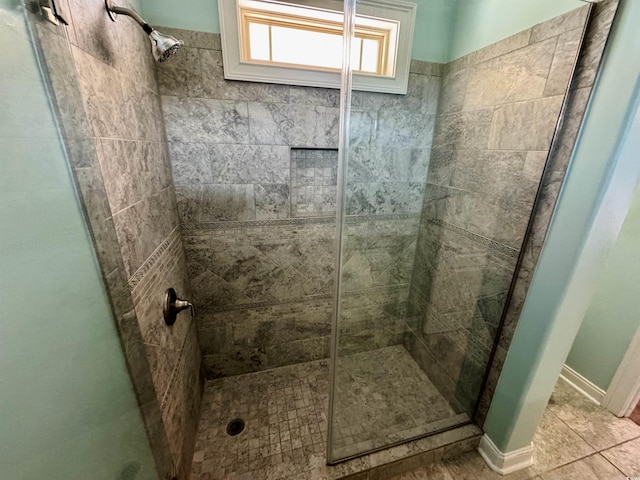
350	219
154	258
256	223
386	288
168	261
310	298
492	245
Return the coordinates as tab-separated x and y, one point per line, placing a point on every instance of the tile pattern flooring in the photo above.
383	397
286	428
576	440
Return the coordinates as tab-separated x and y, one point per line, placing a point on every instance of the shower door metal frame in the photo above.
346	82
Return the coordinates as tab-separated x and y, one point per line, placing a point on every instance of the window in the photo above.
289	43
290	35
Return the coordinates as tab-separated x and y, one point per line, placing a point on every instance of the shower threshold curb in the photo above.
404	457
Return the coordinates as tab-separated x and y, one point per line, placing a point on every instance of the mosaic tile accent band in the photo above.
311	298
173	239
353	219
349	219
479	239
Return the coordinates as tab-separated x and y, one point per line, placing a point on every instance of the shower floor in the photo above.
382	396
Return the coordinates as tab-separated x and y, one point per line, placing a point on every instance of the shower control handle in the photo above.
173	305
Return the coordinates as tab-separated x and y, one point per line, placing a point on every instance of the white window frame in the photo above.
397	10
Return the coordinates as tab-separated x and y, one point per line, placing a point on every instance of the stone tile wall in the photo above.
105	91
580	90
498	111
260	253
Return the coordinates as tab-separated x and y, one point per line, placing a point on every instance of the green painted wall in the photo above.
614	314
434	29
445	29
136	4
479	23
592	206
434	21
200	15
67	408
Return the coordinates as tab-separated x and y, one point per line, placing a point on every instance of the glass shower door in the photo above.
439	186
68	408
381	395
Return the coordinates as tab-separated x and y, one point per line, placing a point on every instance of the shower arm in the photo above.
114	10
163	46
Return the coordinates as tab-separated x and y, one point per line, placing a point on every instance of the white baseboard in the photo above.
505	463
584	386
623	393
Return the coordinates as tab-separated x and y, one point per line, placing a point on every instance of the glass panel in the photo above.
259	41
68	406
370	52
439	188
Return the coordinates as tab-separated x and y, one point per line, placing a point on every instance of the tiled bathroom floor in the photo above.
285	411
576	440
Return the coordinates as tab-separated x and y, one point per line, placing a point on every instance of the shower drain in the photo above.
235	426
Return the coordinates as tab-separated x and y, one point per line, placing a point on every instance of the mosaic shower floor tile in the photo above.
382	397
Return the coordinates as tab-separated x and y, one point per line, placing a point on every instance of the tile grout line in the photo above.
549	412
588	442
573	431
613	464
596	452
551	470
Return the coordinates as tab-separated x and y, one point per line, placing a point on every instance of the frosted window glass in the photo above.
303	47
370	51
259	41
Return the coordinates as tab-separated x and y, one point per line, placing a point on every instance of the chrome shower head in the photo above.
162	46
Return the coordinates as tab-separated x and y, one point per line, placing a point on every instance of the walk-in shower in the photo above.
300	363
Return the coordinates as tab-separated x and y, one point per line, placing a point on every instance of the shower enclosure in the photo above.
357	260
